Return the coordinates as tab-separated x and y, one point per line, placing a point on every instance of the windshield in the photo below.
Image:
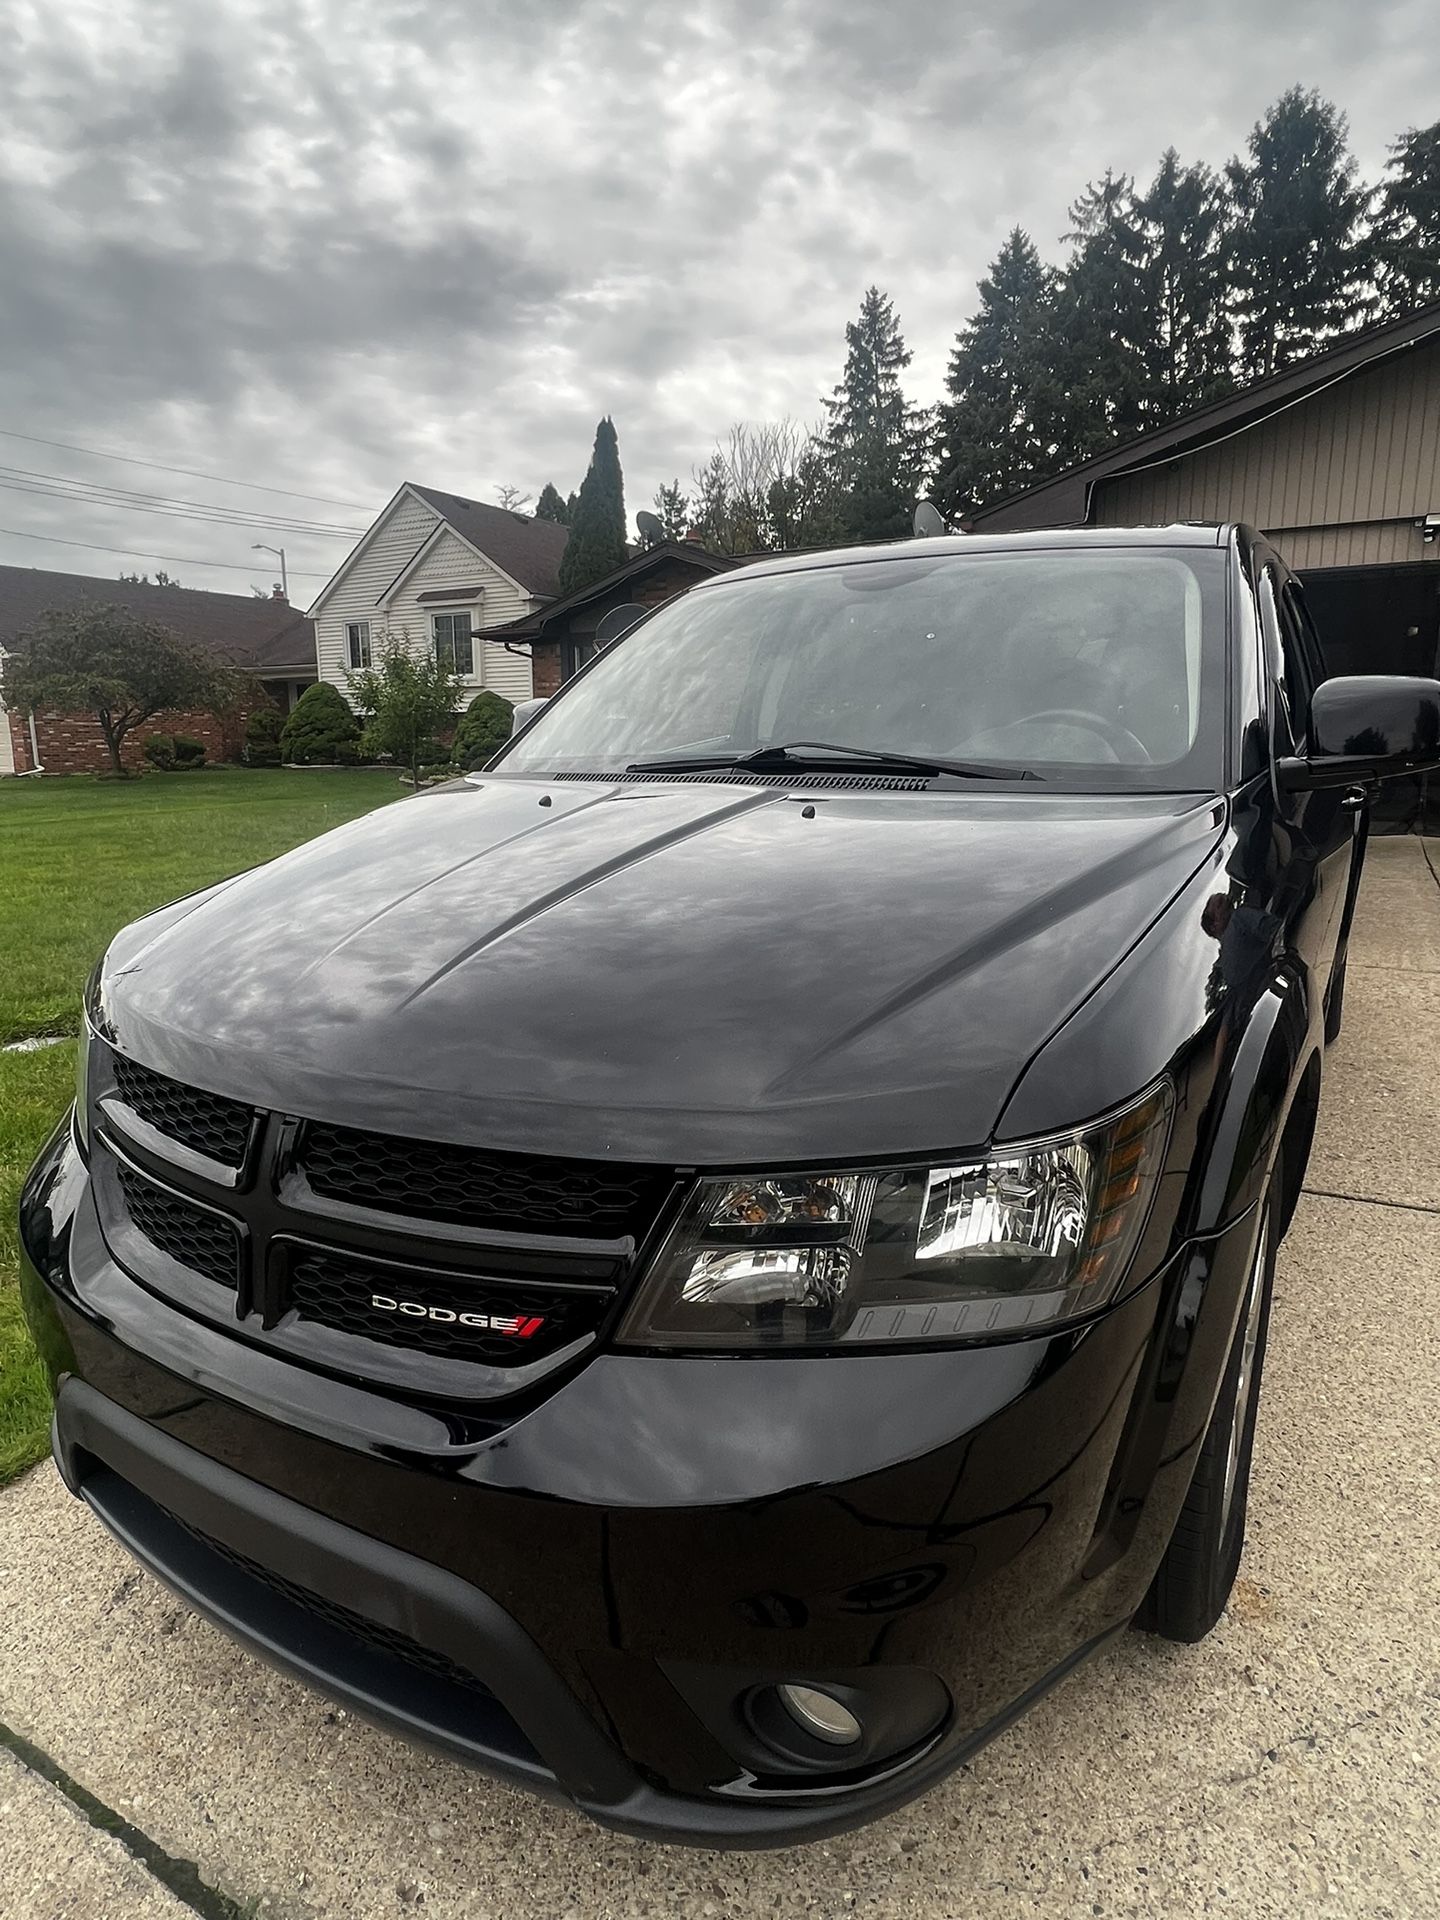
1093	666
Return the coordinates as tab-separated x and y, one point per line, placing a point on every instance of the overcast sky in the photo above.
333	244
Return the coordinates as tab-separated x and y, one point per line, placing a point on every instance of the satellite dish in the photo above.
928	521
617	621
652	528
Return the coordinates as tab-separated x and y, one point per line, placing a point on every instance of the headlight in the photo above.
1036	1233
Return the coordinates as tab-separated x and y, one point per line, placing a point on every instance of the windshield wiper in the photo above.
789	754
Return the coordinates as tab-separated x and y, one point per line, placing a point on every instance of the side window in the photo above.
1286	733
357	644
1309	638
1295	652
454	647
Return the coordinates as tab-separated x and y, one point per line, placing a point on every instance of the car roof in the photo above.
1188	533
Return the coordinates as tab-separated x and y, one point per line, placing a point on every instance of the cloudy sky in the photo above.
328	245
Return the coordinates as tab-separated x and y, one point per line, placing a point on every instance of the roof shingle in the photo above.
260	634
528	550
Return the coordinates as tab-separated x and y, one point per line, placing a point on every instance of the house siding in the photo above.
1338	480
450	563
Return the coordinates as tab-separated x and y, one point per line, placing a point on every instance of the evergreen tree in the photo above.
711	517
1407	229
672	509
1101	321
1183	228
551	507
1302	261
994	430
875	438
597	529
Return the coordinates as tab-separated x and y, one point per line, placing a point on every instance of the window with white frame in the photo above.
357	644
454	643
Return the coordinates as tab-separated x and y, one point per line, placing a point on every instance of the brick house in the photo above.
560	637
265	638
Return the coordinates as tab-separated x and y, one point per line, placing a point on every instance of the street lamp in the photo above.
260	547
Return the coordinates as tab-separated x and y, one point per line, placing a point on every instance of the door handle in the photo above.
1354	798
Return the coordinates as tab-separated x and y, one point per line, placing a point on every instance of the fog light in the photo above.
821	1714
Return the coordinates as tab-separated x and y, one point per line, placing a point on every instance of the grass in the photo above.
78	859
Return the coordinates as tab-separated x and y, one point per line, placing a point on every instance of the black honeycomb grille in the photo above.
338	1290
206	1122
196	1239
372	1633
511	1191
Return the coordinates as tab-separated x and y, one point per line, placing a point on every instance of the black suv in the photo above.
706	1265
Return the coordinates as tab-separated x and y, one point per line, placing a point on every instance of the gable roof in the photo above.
528	550
687	552
1065	499
260	634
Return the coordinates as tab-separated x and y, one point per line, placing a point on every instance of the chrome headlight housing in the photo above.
1036	1233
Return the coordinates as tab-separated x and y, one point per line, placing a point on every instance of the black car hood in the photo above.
692	973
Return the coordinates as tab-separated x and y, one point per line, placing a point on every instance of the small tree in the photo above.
107	661
672	510
550	506
320	727
406	699
484	728
513	499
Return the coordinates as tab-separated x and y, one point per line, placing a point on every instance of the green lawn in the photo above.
78	859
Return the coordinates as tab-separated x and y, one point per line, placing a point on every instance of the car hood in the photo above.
691	972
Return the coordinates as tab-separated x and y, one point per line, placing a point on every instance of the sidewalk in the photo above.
1290	1765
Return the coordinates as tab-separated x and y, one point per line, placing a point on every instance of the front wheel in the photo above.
1193	1580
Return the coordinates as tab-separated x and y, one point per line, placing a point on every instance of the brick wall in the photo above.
545	665
73	742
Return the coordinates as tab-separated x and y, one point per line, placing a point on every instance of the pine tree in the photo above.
1302	262
993	431
1183	228
551	507
597	529
875	438
1101	321
672	509
1407	228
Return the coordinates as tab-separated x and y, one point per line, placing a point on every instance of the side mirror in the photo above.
617	621
1367	727
525	712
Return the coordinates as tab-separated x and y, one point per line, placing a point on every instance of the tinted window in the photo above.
1099	665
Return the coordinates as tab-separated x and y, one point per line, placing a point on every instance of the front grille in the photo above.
206	1122
382	1638
336	1290
196	1239
511	1191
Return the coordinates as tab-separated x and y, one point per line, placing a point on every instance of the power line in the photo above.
173	559
191	473
101	493
296	529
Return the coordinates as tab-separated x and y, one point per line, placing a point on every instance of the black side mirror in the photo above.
1367	727
617	621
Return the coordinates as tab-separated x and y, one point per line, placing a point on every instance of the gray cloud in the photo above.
332	246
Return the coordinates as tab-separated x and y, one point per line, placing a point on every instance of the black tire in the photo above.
1335	1001
1193	1580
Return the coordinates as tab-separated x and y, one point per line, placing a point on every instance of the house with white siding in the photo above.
440	570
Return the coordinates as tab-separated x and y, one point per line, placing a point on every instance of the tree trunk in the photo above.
113	738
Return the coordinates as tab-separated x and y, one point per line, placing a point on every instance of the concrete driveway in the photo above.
1289	1765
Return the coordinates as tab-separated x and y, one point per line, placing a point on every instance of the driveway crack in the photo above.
179	1876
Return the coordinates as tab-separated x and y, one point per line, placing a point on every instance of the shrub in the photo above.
351	753
484	728
262	737
189	752
320	723
160	751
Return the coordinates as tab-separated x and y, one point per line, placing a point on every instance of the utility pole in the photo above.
260	547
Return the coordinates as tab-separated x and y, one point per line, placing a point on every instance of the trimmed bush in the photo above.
189	752
320	723
160	751
262	737
484	728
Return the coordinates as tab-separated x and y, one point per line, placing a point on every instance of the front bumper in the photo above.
573	1596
